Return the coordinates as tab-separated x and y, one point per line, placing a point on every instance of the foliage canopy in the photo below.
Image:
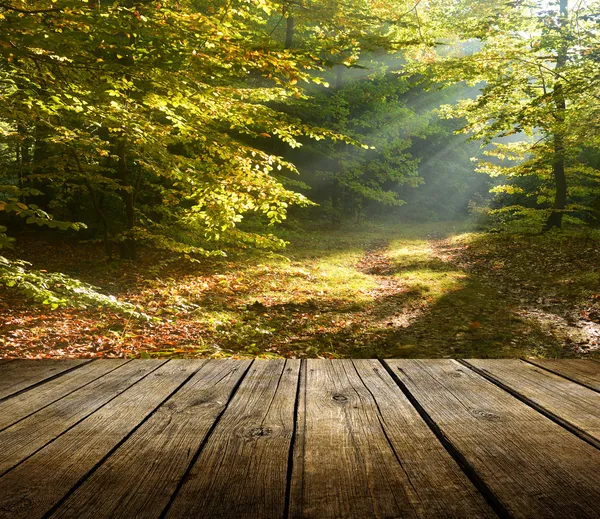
167	123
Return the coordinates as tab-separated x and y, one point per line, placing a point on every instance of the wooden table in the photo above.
315	438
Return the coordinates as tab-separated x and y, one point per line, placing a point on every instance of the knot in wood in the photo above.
257	432
486	415
340	398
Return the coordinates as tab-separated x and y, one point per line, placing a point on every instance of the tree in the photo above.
140	113
536	64
370	106
360	43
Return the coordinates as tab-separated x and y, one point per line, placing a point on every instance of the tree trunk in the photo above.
23	156
127	246
38	166
560	184
337	190
98	206
289	31
336	204
554	221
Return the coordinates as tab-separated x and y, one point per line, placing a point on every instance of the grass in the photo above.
427	290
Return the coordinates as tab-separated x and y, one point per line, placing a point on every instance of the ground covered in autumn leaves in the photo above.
404	290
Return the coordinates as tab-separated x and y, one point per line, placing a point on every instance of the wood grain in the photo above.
585	372
569	402
20	374
142	474
30	490
362	451
440	486
24	404
25	437
242	470
533	466
332	439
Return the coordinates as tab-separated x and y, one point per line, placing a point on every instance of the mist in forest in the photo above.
419	168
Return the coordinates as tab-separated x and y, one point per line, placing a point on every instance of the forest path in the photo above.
441	296
388	291
394	295
549	294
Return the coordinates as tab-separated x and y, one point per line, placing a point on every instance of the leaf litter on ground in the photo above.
427	290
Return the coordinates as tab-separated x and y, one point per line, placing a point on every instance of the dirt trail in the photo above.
428	292
399	307
489	314
558	318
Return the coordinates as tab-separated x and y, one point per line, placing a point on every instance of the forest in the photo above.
299	178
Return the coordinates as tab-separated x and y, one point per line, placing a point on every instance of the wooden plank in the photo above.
20	374
140	477
573	405
33	488
25	437
363	451
441	487
534	467
24	404
348	467
242	470
582	371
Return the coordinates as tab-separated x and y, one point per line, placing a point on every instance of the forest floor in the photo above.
405	290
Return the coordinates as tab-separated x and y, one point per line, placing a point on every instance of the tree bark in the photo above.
127	246
289	31
23	157
560	184
106	231
555	219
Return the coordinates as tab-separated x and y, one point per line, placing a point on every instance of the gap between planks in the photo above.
470	471
61	449
33	434
35	399
566	419
535	467
28	492
574	370
13	384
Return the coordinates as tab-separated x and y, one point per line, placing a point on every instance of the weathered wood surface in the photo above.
242	470
138	480
20	374
294	439
33	487
27	436
584	372
533	466
24	404
367	453
572	405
